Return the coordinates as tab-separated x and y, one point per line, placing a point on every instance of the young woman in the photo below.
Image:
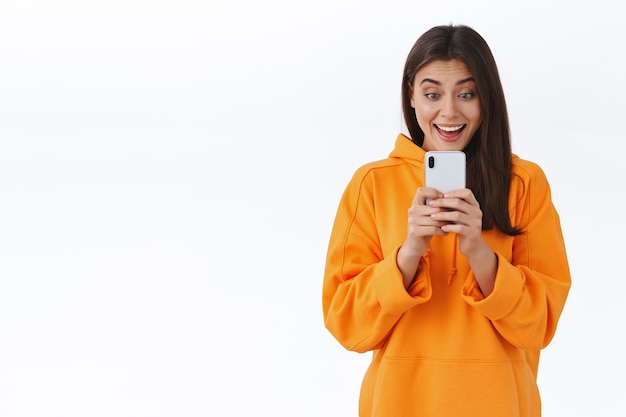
455	297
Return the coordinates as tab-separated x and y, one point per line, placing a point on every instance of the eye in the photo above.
466	96
431	96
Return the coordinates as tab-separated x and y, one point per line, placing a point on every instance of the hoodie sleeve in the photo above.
530	288
363	294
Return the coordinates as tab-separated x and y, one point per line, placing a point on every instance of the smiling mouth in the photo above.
450	129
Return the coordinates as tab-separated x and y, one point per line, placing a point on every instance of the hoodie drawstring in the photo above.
452	272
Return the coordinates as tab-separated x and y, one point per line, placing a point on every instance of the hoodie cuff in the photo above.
393	297
507	290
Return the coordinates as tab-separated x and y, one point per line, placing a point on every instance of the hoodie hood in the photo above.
407	150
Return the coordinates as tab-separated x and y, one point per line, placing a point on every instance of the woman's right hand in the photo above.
421	228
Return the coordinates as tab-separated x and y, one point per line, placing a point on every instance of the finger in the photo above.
453	228
467	224
425	193
449	216
421	221
425	231
464	194
446	204
421	215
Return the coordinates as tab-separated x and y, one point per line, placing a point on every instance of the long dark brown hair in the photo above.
489	151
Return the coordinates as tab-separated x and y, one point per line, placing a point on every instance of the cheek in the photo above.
475	117
474	113
424	111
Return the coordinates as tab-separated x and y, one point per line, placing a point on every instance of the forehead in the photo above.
442	71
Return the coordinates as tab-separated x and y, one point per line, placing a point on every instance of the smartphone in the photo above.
444	170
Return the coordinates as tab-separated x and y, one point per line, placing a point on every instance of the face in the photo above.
446	105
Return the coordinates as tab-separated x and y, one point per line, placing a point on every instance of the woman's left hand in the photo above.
463	216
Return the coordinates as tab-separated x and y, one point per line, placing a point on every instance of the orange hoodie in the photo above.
441	348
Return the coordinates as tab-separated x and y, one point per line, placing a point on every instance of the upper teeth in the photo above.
450	128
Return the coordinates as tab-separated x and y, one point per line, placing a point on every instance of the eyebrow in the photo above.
460	82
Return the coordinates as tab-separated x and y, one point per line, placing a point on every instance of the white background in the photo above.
170	171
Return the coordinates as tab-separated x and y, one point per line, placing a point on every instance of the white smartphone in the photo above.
444	170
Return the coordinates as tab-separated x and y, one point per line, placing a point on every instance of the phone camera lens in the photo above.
431	161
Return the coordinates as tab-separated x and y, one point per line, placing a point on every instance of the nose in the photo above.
448	107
